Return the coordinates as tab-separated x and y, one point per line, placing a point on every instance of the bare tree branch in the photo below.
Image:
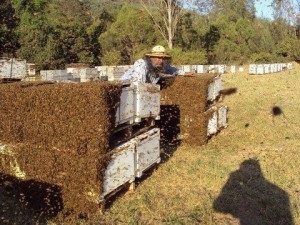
169	12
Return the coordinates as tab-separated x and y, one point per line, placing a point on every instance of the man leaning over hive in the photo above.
152	68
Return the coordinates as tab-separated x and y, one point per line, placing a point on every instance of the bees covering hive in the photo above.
58	134
184	109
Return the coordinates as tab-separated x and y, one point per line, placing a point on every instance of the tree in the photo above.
8	22
98	26
69	22
186	35
289	48
234	9
54	33
286	9
165	15
126	39
32	30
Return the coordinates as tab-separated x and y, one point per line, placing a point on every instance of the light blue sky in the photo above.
263	9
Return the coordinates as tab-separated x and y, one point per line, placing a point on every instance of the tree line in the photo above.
54	33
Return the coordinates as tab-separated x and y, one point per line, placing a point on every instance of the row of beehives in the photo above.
70	75
115	72
269	68
130	158
16	68
112	73
133	157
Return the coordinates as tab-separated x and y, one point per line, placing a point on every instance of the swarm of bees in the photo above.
60	133
184	110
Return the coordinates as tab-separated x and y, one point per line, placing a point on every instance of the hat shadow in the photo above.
248	196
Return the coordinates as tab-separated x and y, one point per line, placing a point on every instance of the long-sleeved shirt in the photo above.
139	72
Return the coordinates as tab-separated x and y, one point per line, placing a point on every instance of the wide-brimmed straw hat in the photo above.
158	51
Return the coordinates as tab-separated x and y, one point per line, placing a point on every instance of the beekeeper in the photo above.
152	68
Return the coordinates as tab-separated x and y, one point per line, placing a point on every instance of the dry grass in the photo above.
247	174
184	189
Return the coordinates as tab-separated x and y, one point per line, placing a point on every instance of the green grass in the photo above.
183	189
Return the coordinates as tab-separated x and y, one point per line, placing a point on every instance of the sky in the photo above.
263	9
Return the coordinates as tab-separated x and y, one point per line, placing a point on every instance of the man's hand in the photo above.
166	76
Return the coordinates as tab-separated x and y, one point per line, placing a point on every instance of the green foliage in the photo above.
226	51
262	57
180	57
245	29
128	36
29	5
8	22
186	36
52	33
262	40
234	9
289	49
32	33
111	58
57	32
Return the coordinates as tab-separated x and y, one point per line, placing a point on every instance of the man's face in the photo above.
157	61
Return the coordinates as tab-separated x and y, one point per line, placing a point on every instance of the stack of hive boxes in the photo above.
64	139
190	110
139	139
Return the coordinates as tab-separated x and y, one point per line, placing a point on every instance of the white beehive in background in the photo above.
88	74
252	69
201	69
233	69
55	75
13	68
212	69
266	68
260	69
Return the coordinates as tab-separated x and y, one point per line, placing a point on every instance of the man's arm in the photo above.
176	72
136	73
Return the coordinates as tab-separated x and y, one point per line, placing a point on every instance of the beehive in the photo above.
58	134
184	109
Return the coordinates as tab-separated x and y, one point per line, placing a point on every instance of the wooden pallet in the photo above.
110	197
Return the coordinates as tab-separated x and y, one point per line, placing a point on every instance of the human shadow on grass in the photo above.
248	196
28	201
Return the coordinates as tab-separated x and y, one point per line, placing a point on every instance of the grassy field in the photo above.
247	174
